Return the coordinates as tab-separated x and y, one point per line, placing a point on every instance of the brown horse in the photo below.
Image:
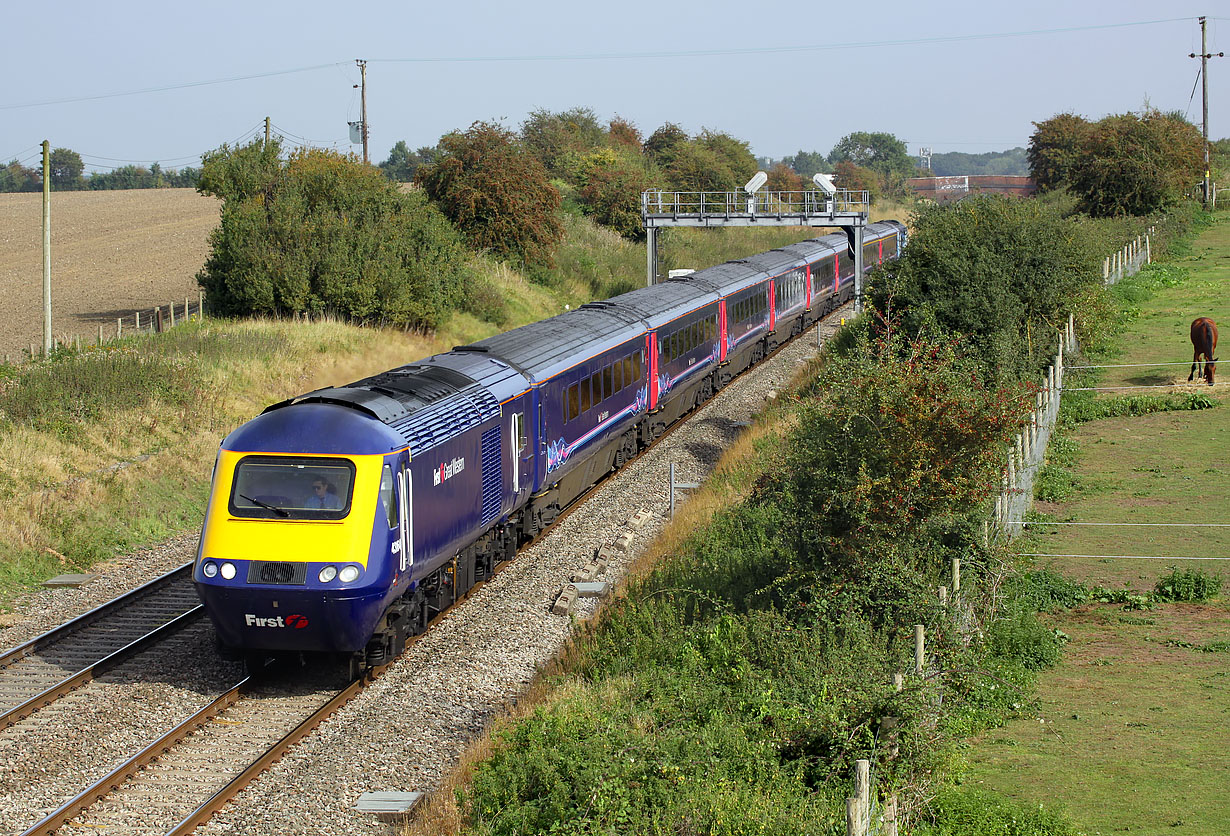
1204	344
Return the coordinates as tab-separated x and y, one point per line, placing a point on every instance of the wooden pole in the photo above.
862	791
853	818
956	575
46	247
920	647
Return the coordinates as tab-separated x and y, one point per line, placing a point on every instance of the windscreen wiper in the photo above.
275	509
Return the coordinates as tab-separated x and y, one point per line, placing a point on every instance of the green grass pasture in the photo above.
1130	730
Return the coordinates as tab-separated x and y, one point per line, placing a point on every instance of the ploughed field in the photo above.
112	253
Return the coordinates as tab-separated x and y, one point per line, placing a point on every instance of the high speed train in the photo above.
342	520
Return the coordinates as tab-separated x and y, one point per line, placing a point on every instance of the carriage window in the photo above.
628	376
284	487
607	388
636	366
619	375
694	333
574	403
585	404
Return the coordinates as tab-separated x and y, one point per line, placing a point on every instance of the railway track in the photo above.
44	669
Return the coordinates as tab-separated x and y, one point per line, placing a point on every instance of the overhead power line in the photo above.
612	56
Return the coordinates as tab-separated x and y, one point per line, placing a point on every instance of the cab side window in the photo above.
386	496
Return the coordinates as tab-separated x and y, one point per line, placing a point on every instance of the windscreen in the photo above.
284	487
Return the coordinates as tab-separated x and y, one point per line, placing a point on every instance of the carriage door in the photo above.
405	484
518	443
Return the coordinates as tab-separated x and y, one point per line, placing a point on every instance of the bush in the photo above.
321	233
1187	585
996	269
497	194
1135	165
1044	591
1021	638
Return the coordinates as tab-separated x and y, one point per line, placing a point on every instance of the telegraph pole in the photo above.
363	104
1204	57
46	248
266	131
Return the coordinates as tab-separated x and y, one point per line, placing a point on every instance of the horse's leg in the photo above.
1195	359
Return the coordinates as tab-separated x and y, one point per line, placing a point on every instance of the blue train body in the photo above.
343	519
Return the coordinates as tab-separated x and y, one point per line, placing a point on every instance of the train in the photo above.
343	520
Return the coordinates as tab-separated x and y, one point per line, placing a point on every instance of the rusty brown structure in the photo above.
945	189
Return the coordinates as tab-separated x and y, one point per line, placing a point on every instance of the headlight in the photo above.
209	569
228	571
349	574
328	573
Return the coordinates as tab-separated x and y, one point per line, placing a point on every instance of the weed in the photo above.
1187	585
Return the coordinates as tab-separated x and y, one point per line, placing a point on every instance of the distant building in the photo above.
944	189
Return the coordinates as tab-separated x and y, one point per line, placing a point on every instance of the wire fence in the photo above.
147	321
1025	458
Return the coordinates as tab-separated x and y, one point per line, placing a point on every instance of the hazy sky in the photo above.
785	76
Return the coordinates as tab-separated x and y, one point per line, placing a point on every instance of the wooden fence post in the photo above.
862	791
853	818
920	647
944	597
119	327
890	816
956	576
171	308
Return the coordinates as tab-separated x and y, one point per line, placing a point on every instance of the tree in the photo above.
735	154
1134	165
554	137
612	180
1054	149
856	178
783	178
623	132
496	193
661	143
1002	271
323	233
880	152
66	170
807	163
16	177
402	162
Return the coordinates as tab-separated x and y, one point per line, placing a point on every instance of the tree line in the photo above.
67	172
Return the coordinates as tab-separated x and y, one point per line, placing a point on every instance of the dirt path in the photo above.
112	253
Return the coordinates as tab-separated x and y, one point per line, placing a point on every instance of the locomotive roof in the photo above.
462	391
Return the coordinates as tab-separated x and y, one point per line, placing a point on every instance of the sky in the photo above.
132	82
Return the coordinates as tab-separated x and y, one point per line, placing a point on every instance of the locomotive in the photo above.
341	521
